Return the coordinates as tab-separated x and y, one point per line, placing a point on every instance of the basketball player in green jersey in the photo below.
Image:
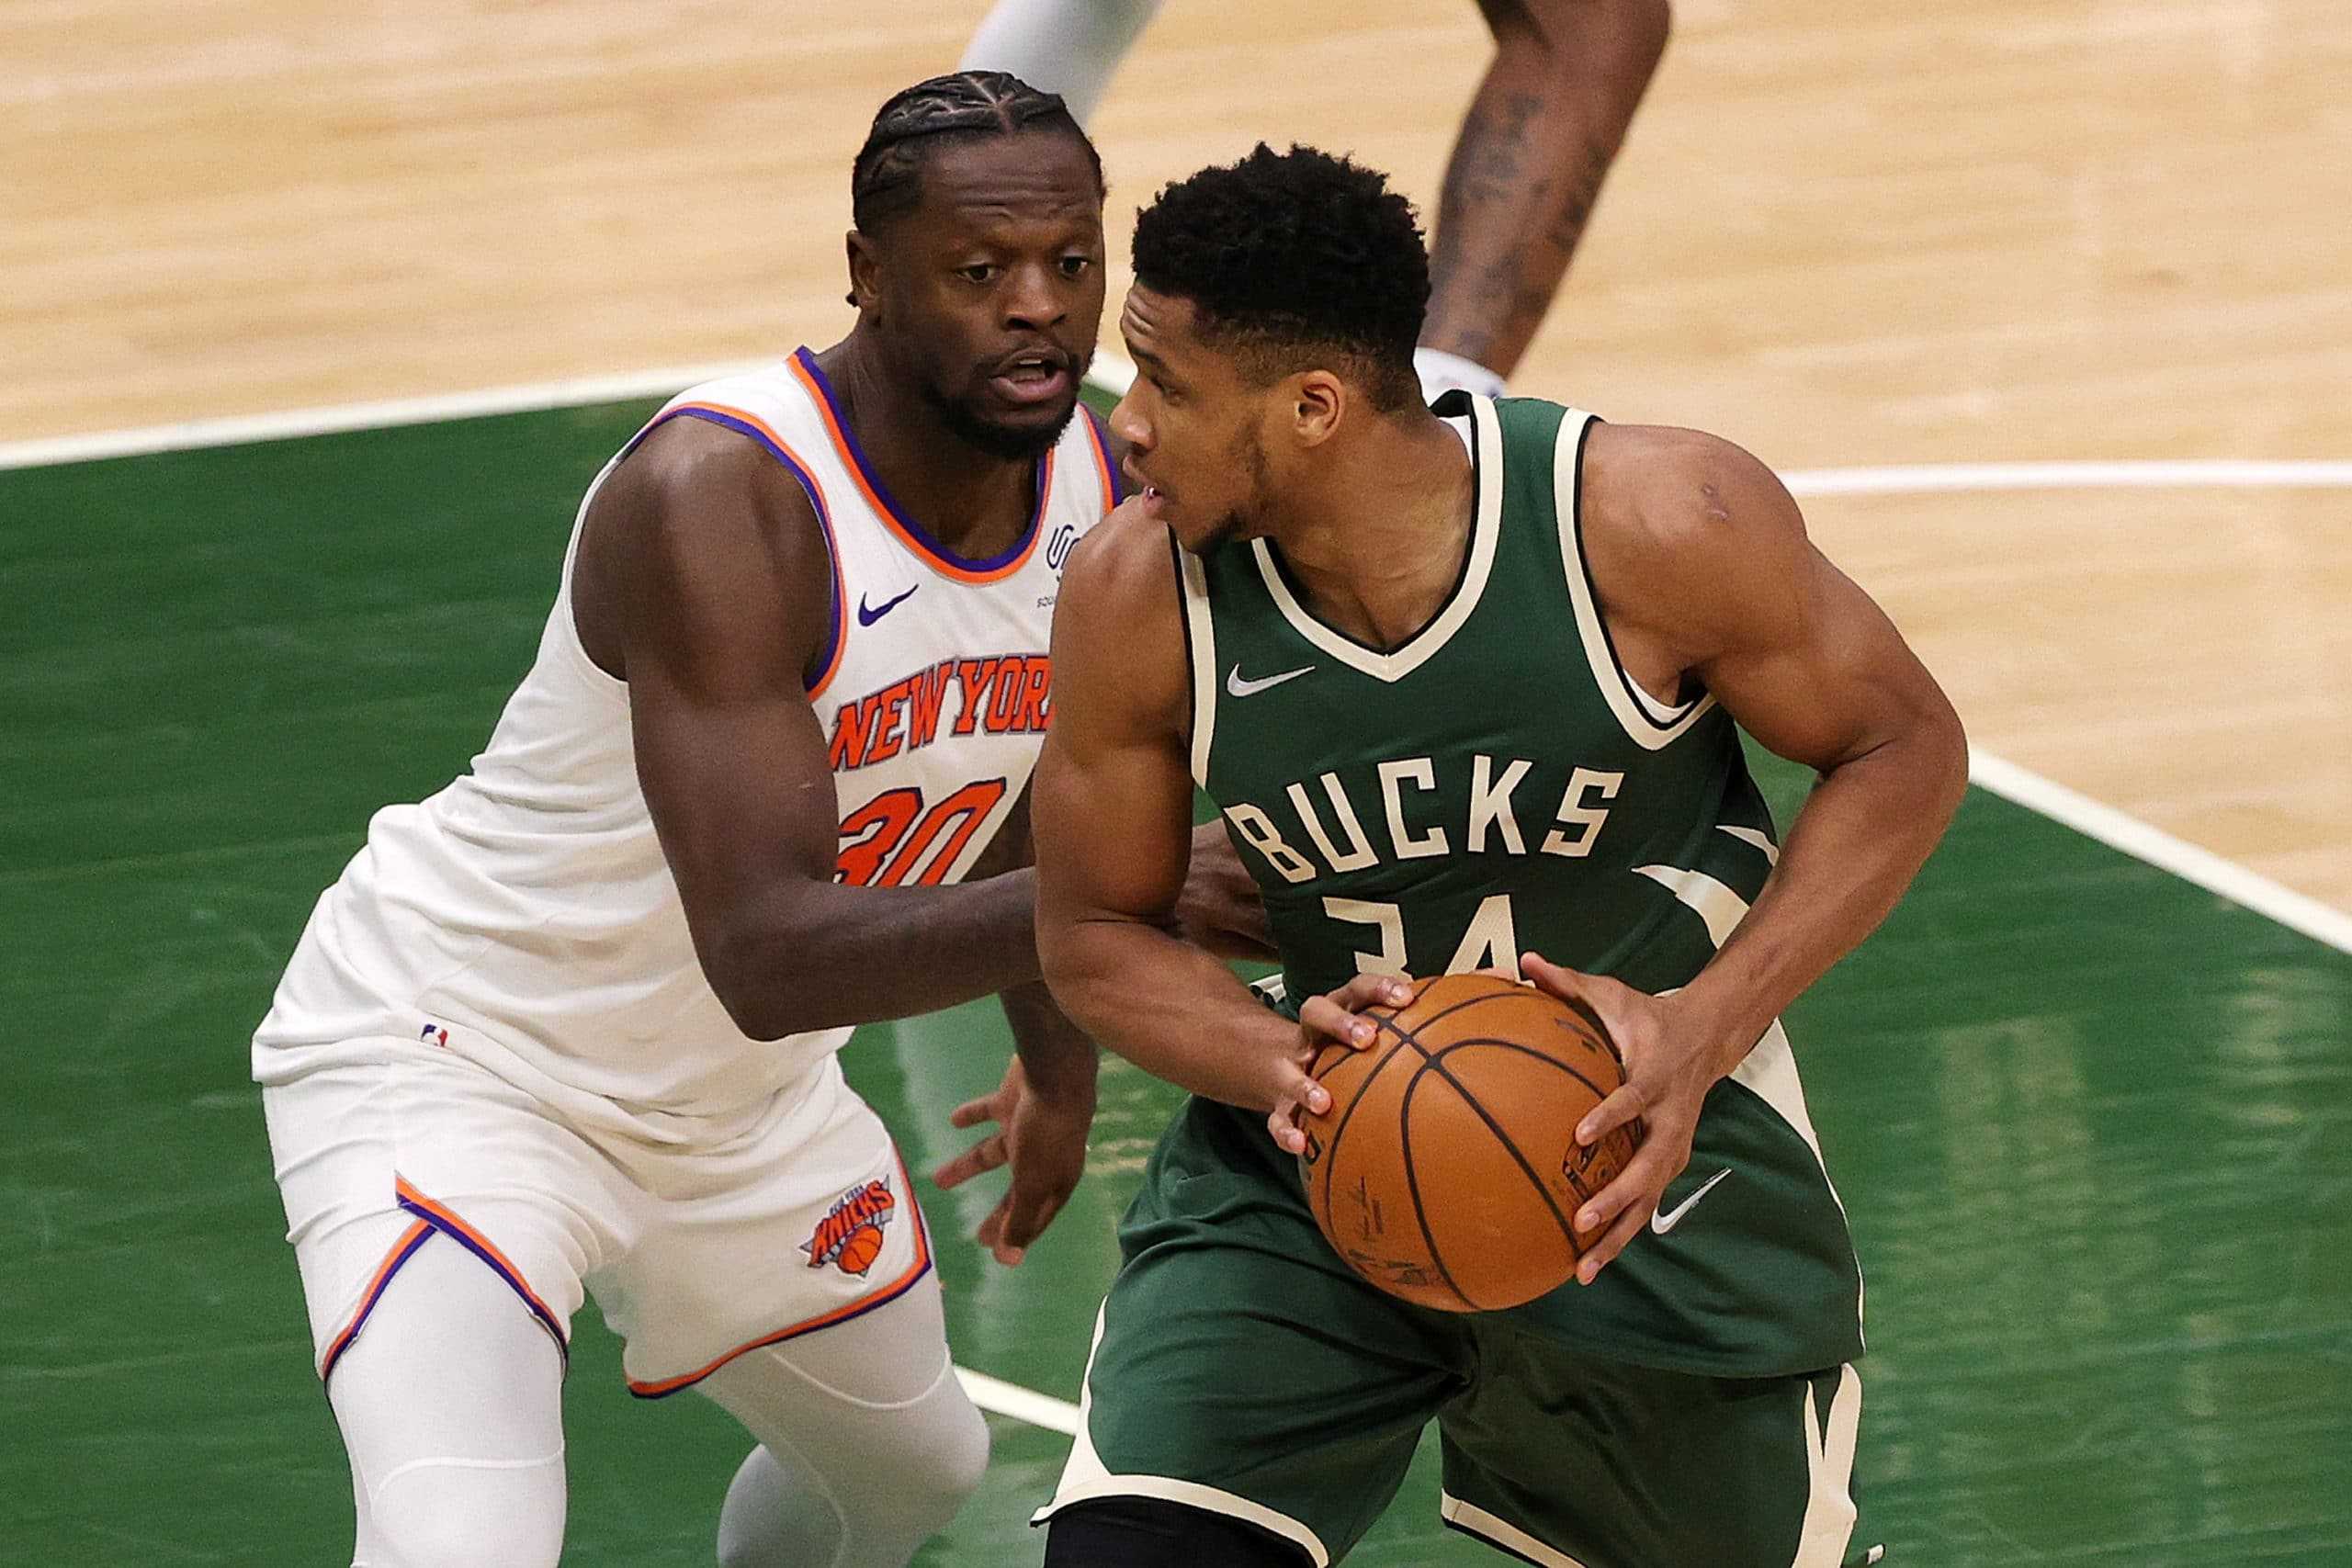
1465	685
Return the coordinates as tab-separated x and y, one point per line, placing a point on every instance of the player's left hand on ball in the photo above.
1041	1135
1331	1020
1670	1064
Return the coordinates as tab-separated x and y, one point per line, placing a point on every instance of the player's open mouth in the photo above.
1033	378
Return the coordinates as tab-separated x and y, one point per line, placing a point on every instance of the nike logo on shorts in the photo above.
1667	1218
1242	688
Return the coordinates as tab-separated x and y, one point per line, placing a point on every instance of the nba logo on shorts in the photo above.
850	1235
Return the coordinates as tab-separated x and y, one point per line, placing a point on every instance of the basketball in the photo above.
1447	1170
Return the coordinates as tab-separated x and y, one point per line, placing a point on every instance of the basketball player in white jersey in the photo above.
570	1025
1535	145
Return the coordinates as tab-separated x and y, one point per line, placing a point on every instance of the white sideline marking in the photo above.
1020	1403
2196	473
2120	830
239	430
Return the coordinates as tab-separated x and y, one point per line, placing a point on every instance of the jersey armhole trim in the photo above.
1647	723
837	588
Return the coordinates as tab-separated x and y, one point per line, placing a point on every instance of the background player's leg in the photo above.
1526	171
868	1444
451	1409
1070	47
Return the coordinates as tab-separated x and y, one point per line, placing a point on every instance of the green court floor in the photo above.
2094	1126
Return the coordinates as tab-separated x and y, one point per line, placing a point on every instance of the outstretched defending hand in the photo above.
1041	1137
1219	909
1671	1061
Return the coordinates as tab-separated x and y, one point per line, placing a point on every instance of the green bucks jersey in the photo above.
1499	784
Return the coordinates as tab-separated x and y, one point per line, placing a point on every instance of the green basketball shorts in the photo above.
1240	1367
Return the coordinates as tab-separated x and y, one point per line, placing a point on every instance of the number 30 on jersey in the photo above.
894	841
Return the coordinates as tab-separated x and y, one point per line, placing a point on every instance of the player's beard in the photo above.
1244	519
1009	442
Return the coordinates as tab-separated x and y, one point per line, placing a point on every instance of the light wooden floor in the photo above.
1980	229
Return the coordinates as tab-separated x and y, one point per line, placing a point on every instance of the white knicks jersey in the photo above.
524	917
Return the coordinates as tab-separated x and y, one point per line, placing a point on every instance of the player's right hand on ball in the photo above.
1333	1020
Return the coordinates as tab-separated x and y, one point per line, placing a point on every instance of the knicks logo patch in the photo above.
850	1235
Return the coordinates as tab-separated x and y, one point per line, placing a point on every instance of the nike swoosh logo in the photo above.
1241	688
1662	1223
868	614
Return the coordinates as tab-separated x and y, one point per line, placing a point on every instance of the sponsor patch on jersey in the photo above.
850	1235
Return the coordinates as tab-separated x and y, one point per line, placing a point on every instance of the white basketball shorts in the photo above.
794	1219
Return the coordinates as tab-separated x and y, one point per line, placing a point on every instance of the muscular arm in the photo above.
1704	573
1527	168
703	581
1113	824
1714	575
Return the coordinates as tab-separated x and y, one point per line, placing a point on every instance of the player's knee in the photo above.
949	1461
424	1534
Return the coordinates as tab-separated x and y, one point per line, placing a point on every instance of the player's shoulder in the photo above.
687	463
697	488
1662	495
1126	563
1120	618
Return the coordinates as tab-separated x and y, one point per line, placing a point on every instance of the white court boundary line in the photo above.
2194	473
2154	846
1020	1403
2117	830
1114	374
241	429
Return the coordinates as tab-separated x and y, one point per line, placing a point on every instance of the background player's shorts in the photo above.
797	1218
1239	1366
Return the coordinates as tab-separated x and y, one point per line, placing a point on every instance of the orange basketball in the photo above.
1447	1170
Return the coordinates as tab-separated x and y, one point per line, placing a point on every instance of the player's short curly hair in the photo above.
1289	256
885	179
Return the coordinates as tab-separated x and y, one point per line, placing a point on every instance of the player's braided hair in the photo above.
1293	256
887	179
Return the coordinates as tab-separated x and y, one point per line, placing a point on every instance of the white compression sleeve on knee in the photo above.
1070	47
451	1409
868	1443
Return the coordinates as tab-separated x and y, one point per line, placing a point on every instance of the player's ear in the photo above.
1318	401
864	273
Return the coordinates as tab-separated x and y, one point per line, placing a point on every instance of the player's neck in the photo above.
1379	542
975	504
